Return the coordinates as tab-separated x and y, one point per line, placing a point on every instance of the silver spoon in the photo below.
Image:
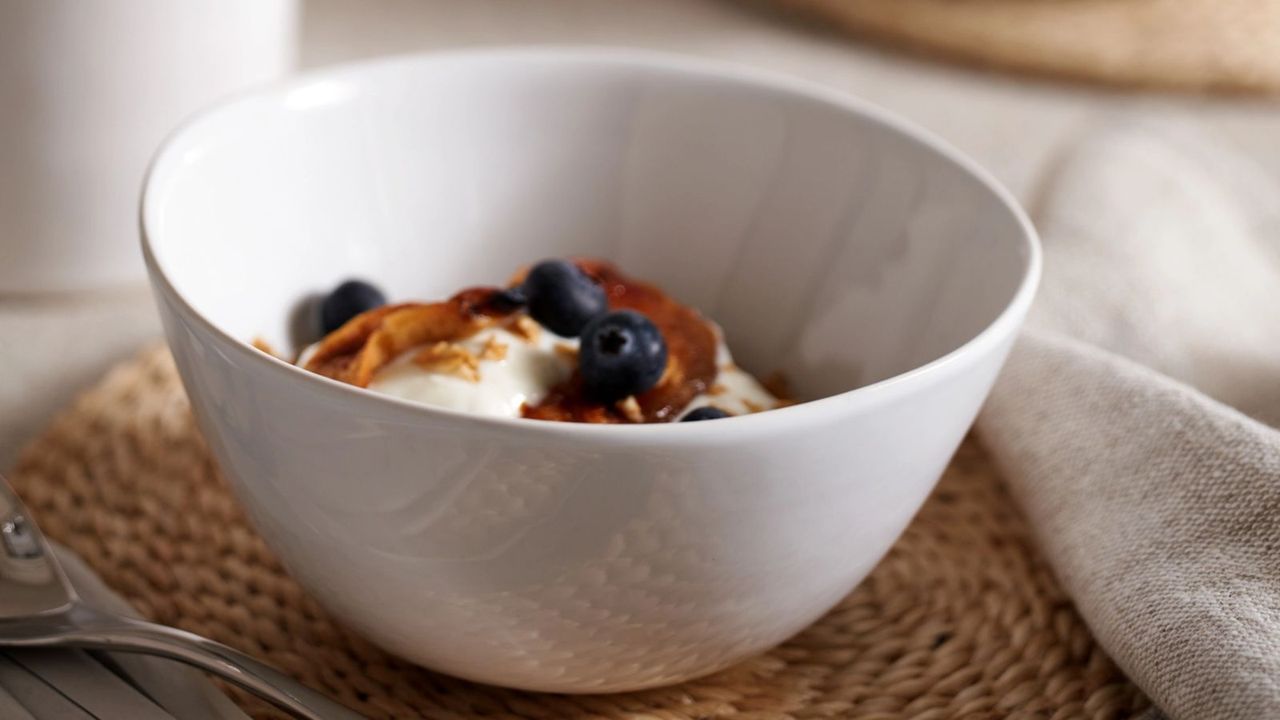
39	608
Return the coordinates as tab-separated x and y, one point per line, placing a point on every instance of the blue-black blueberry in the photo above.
705	412
562	298
347	301
622	353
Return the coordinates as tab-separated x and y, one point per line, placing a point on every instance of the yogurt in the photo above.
528	369
735	390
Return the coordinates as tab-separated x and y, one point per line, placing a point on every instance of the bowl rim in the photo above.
1005	323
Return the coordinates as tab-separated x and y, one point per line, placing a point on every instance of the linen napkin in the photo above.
1134	420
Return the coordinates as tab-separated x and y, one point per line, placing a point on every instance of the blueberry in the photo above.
562	298
347	301
622	353
705	412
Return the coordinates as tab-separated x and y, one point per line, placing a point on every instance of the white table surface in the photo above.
51	348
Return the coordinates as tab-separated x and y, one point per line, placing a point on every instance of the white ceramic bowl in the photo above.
885	274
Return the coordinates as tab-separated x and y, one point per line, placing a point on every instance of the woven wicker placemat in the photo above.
961	620
1226	45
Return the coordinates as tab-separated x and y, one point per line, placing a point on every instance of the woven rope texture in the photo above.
961	620
1214	45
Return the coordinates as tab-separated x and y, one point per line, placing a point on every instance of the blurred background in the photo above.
1010	82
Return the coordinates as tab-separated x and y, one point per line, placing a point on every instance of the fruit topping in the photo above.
705	412
347	301
562	297
622	353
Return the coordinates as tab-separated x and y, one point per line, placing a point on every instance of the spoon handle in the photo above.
100	631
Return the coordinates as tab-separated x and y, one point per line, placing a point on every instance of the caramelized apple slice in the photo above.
356	351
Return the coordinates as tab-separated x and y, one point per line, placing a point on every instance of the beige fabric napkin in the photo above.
1132	419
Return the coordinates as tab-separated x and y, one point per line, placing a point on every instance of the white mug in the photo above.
88	89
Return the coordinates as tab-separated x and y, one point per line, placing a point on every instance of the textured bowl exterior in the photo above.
567	563
566	558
